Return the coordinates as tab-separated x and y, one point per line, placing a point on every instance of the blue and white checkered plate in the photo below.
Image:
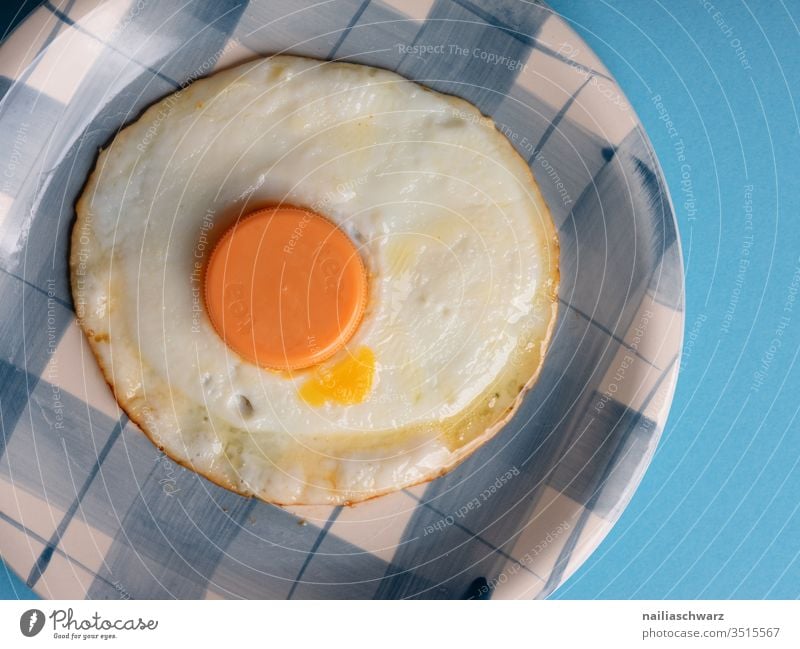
88	506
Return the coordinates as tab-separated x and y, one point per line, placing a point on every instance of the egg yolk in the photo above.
285	288
346	383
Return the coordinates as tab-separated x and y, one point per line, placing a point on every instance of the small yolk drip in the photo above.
346	383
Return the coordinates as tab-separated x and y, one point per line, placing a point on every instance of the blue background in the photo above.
716	515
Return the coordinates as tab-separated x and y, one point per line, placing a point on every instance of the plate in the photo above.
90	509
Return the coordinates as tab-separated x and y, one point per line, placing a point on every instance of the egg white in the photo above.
460	249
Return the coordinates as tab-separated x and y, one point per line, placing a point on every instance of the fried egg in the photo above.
315	282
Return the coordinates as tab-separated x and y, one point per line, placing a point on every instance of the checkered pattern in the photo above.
89	508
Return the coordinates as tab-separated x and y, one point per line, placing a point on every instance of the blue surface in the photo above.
12	587
716	514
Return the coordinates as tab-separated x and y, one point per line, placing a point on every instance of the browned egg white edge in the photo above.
460	454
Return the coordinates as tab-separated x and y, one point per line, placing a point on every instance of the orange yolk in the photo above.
286	289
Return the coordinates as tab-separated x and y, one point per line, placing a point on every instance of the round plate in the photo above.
91	509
